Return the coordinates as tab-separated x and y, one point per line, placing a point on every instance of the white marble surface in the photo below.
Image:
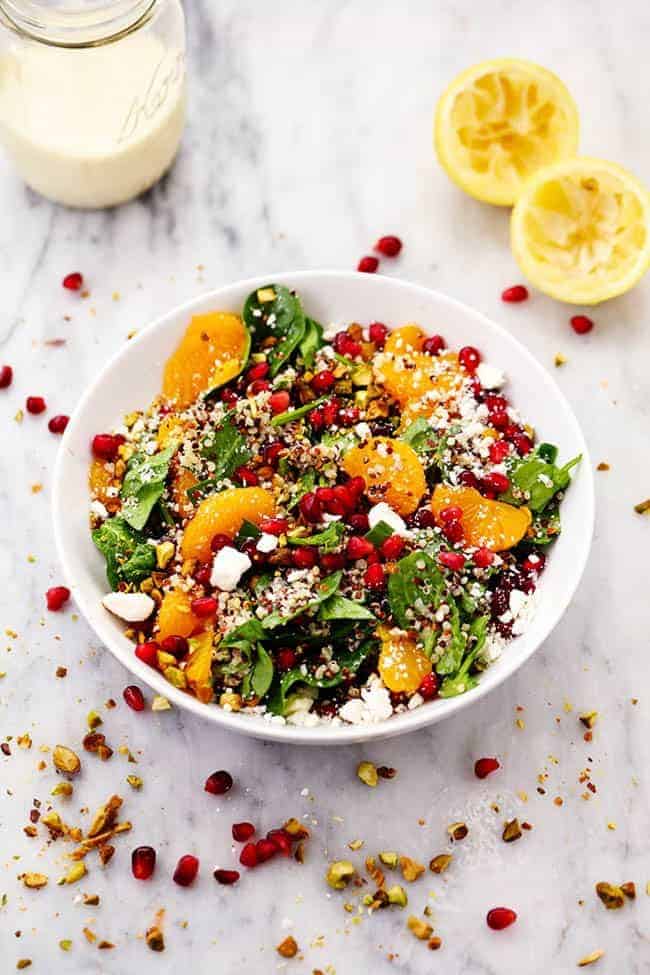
309	135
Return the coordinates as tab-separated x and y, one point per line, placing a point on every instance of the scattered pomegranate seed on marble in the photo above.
515	294
226	877
265	849
248	856
389	246
186	870
73	281
133	697
368	264
56	598
218	783
242	831
485	766
581	324
6	376
58	423
35	405
143	862
500	917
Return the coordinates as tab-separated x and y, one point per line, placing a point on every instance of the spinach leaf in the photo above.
129	557
451	659
379	533
249	632
296	414
534	480
304	484
420	435
417	579
349	663
546	525
143	485
276	311
326	588
340	608
228	448
328	539
311	342
247	530
462	680
344	440
262	675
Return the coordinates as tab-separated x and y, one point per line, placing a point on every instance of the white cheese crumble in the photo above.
228	567
98	509
373	706
133	607
266	543
384	512
489	376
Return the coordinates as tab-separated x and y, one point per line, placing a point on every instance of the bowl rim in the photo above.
321	734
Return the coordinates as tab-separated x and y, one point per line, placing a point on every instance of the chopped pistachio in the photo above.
511	831
340	873
559	360
411	869
376	901
105	852
440	863
419	928
34	880
375	872
589	718
264	295
367	772
389	858
164	554
355	844
65	944
164	659
643	507
62	789
91	900
434	943
103	945
53	821
231	701
155	939
176	677
134	781
105	816
629	889
457	831
296	829
23	963
65	760
288	948
590	959
611	896
397	895
160	703
93	720
75	873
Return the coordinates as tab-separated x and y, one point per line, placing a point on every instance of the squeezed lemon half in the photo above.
499	122
580	230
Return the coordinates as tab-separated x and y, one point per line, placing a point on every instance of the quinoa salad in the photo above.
323	525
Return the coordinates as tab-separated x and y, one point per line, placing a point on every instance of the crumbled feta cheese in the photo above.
517	601
266	543
489	376
228	567
384	512
373	706
98	509
133	607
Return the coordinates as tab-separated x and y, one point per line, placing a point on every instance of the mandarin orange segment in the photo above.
402	665
392	472
493	524
175	616
212	351
171	429
405	340
199	666
100	478
414	375
182	480
224	514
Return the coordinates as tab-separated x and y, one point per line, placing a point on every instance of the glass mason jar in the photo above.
92	95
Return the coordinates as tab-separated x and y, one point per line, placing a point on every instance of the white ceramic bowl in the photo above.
133	378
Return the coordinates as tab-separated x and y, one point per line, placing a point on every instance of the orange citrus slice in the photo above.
213	350
224	514
392	472
402	666
493	524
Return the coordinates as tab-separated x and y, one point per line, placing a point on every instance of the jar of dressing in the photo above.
92	95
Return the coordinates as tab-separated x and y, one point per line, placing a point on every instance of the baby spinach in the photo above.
324	590
248	530
452	655
462	680
379	533
275	311
420	435
305	483
296	414
417	578
349	663
228	449
261	677
143	485
327	540
546	525
129	557
311	342
339	607
535	479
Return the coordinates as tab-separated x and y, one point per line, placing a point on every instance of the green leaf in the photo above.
143	485
462	680
340	608
301	487
228	449
328	539
421	436
546	525
534	480
262	676
379	533
249	632
129	557
324	590
280	316
291	415
417	579
349	663
450	660
247	530
311	342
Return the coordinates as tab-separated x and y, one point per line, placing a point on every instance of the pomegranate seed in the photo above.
348	416
56	598
218	783
311	507
317	418
453	531
323	381
500	917
248	856
304	557
378	333
499	420
246	476
496	482
522	444
259	371
469	358
229	396
393	547
468	479
434	345
203	574
511	431
452	560
429	687
581	324
286	659
6	376
280	840
143	862
356	486
35	405
105	446
176	645
226	877
274	526
265	849
345	345
259	386
204	606
219	541
358	548
325	495
148	653
271	452
186	870
389	246
485	766
495	402
242	831
133	697
359	522
534	563
514	294
375	576
279	402
330	412
424	518
482	558
347	498
499	450
368	264
73	281
451	513
58	423
332	561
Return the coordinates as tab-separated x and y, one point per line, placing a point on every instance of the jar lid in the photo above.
75	23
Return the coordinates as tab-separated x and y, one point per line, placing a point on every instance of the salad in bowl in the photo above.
323	525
